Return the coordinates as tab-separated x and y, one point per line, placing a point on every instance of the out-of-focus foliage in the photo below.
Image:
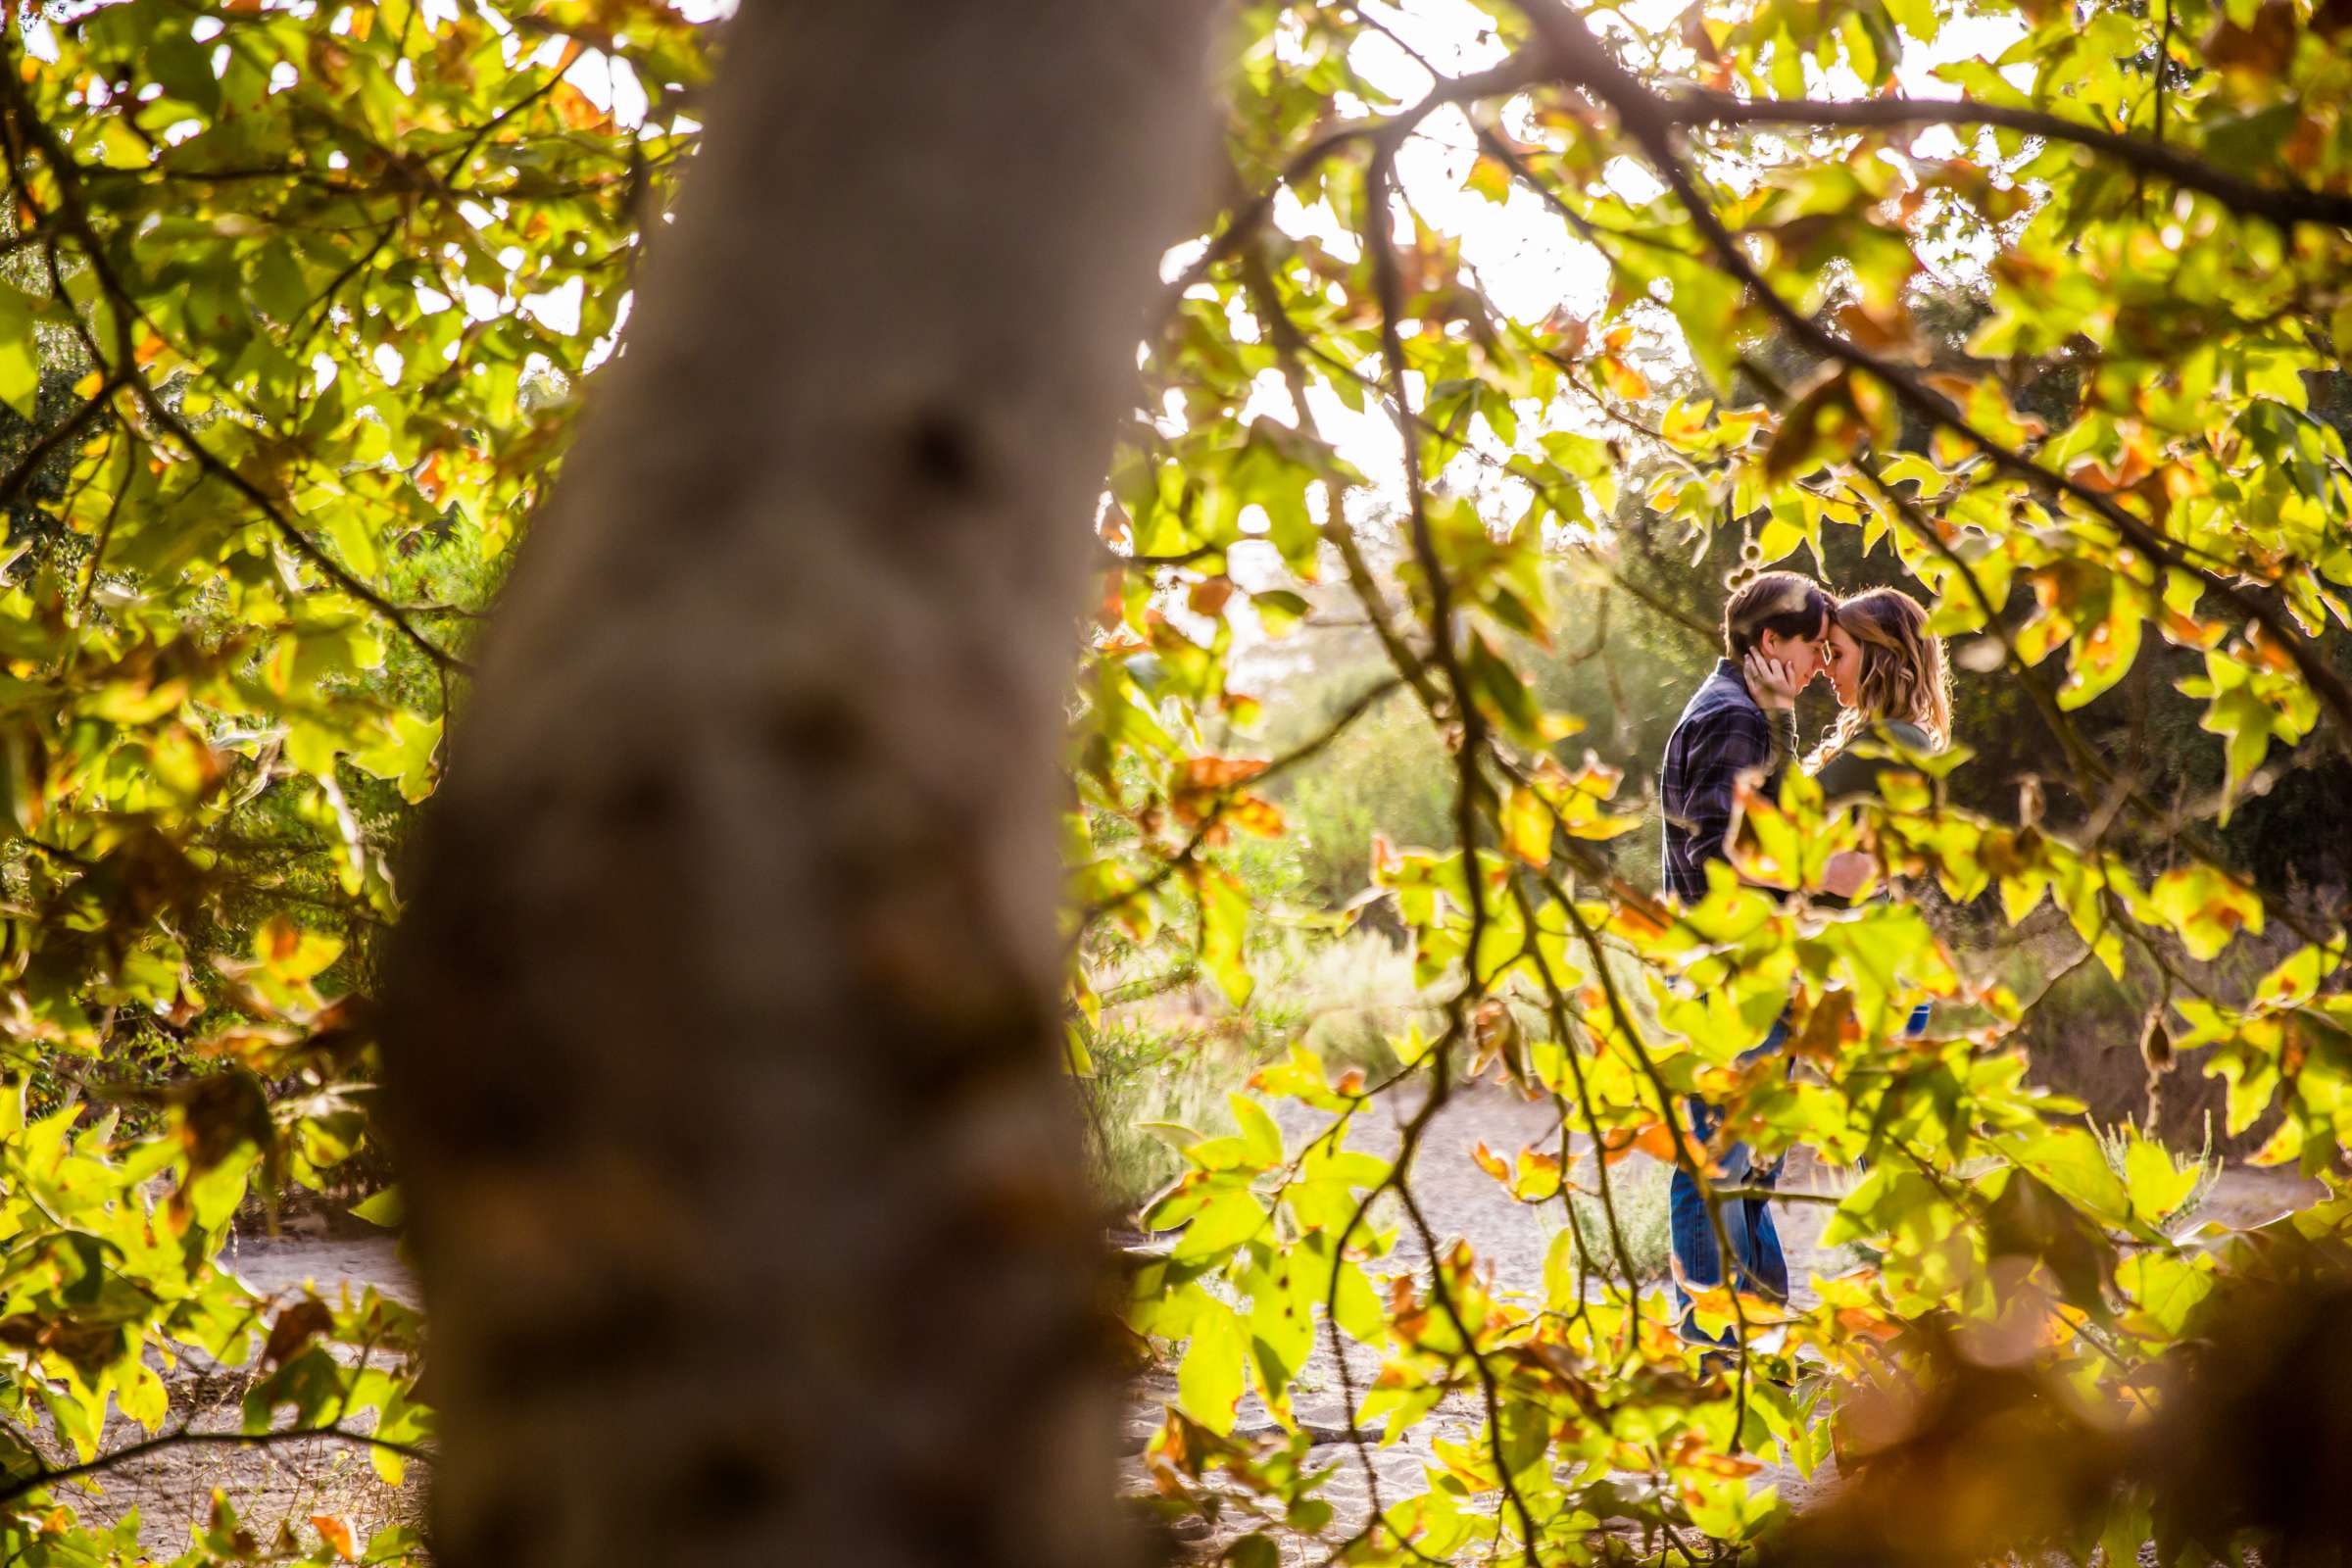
297	303
2060	355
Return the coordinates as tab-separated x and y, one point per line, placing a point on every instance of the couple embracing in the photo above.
1779	632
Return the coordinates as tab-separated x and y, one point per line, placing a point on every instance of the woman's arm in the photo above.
1848	774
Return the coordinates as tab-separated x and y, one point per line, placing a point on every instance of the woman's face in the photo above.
1844	665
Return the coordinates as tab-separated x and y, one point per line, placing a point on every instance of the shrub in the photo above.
1639	1188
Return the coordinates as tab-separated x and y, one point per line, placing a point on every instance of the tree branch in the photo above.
1520	71
2283	205
21	1486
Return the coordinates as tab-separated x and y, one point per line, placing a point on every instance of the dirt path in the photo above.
275	1490
1511	1239
284	1487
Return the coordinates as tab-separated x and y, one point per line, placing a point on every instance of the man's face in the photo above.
1804	656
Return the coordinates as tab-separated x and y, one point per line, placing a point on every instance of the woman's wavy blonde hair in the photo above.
1904	673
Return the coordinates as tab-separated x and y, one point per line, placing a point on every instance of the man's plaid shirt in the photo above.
1721	735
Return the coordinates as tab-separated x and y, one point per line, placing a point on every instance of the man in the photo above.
1741	722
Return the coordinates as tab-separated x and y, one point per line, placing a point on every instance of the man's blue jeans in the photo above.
1747	1224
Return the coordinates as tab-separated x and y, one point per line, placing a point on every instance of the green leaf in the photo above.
1357	1308
1921	19
2070	1160
388	1208
2206	908
1504	693
1527	825
141	1395
1280	610
1231	1218
1255	1550
184	67
1211	1378
291	954
1559	1272
1258	1131
1224	922
19	355
2157	1185
407	755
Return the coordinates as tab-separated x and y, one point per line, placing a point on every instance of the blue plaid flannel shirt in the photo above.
1721	735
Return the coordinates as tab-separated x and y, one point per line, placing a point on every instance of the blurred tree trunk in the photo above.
723	1026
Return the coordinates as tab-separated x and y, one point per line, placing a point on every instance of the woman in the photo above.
1894	687
1889	675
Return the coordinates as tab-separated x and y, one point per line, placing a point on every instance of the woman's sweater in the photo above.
1850	773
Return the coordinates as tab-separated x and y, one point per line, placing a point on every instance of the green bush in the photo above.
1170	1047
1386	775
1146	1076
1639	1188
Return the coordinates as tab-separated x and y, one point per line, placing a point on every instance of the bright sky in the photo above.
1526	259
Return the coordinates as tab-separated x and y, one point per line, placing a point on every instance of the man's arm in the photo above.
1782	723
1723	747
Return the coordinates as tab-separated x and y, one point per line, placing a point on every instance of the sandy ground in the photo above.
173	1488
276	1489
1462	1200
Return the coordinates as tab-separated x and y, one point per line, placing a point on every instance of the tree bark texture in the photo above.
722	1024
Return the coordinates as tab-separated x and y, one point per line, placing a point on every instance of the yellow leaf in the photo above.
1527	827
1490	177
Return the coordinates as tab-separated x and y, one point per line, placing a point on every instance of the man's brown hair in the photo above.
1780	601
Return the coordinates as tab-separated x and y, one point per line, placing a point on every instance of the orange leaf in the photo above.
1691	1451
284	938
1490	1162
1570	333
1656	1140
574	108
296	1327
1855	1320
1210	595
1220	773
337	1535
1252	815
1879	331
1623	379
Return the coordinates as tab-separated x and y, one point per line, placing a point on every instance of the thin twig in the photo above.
21	1486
